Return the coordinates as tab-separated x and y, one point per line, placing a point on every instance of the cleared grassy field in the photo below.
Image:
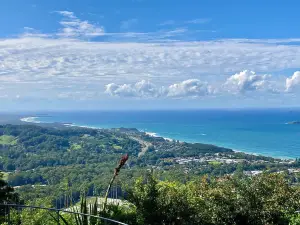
215	163
76	147
7	140
5	175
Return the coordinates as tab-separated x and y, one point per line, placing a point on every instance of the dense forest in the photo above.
48	165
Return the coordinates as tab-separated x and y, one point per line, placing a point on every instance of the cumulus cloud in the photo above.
189	88
124	90
293	81
74	27
247	81
146	89
140	89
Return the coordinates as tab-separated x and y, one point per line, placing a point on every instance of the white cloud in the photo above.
146	89
33	62
293	82
74	27
38	63
124	90
247	81
175	32
67	14
61	60
140	89
31	32
189	88
264	41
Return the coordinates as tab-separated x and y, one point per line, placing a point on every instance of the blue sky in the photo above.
233	18
140	54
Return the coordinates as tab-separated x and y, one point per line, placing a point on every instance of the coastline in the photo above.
30	119
34	119
152	134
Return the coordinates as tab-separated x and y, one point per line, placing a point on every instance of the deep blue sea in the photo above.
263	132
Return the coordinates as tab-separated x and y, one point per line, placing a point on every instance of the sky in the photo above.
148	54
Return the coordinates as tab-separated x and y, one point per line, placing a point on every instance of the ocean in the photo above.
263	132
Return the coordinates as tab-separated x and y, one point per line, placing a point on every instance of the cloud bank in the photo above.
67	64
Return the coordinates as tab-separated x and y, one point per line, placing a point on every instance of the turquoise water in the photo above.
262	132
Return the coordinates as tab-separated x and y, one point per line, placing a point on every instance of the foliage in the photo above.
7	195
7	140
34	216
260	200
295	219
264	199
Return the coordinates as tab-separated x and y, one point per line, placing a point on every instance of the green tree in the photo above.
145	196
7	195
161	202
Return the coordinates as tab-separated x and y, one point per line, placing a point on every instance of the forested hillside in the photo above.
47	164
